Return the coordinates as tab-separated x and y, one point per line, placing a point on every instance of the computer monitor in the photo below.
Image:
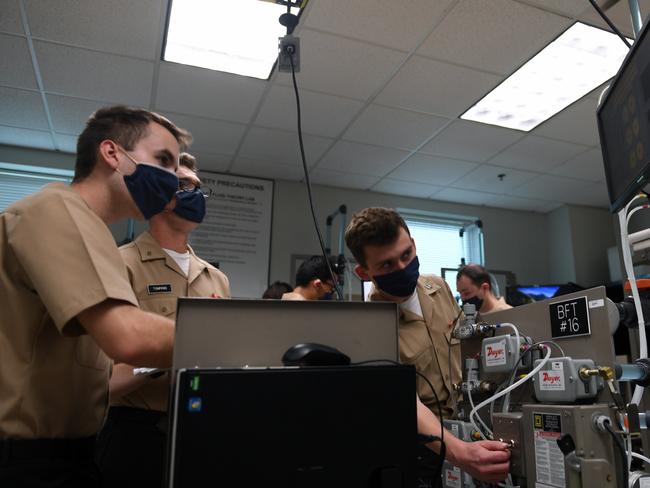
236	333
624	125
539	292
343	427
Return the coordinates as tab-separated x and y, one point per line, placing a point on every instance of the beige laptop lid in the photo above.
236	333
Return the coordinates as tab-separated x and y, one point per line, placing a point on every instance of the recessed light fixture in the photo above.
239	37
575	63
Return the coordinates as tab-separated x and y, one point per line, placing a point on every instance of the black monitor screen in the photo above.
624	126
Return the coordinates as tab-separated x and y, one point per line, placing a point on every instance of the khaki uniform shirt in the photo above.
292	296
426	343
500	305
57	259
157	282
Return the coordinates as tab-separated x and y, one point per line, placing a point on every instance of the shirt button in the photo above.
164	309
148	253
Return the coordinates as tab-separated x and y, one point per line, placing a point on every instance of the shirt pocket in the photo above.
426	364
165	306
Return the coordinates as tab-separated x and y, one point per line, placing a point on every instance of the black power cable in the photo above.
290	51
621	450
603	15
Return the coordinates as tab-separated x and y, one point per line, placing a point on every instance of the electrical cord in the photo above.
619	444
603	15
339	292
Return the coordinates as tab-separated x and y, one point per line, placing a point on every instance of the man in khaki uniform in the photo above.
385	252
66	304
474	284
313	281
161	267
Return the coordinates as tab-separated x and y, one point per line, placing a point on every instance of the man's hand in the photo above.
483	460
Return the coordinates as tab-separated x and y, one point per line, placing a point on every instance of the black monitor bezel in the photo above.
633	187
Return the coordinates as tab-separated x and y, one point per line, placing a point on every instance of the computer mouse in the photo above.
312	354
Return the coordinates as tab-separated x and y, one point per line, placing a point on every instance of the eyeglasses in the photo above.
189	186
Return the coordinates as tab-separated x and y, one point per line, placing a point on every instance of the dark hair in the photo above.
476	273
314	268
124	125
372	226
277	289
189	161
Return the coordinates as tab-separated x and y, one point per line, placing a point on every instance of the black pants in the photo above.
48	463
131	448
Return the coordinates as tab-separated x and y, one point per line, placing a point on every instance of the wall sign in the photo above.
236	232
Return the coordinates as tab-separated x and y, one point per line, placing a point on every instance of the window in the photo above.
443	241
18	181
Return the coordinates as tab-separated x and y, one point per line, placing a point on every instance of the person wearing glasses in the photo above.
313	281
161	267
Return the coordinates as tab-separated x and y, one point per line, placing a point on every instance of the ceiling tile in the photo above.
16	67
619	14
282	147
362	159
393	127
209	135
463	196
383	22
421	168
471	141
486	178
198	91
587	166
98	76
526	204
343	180
552	188
340	66
594	195
69	115
323	115
261	169
120	26
576	123
567	7
494	36
405	188
435	87
211	161
537	154
22	108
10	20
25	137
66	143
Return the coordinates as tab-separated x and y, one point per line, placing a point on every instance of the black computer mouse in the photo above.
312	354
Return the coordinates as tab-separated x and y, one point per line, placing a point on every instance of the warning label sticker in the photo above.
452	478
552	380
549	460
495	353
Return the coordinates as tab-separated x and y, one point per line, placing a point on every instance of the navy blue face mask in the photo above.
400	283
151	187
476	301
190	205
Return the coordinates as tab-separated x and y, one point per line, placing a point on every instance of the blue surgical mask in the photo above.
151	187
476	301
400	283
190	205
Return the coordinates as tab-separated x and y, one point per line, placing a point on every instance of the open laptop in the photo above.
256	333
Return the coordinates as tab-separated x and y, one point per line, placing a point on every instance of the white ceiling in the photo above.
382	86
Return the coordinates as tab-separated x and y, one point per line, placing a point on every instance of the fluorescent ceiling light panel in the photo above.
235	36
571	66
